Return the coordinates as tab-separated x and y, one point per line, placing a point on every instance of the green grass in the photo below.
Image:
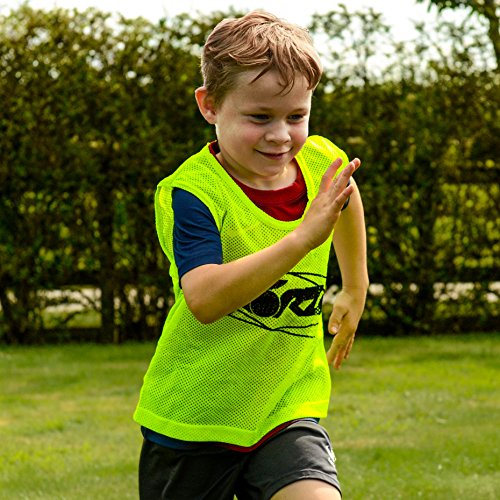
419	418
65	424
410	418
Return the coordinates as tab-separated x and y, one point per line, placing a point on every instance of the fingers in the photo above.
343	332
325	209
349	347
349	169
341	178
343	322
342	198
328	176
339	350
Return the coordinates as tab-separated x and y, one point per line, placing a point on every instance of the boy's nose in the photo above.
278	133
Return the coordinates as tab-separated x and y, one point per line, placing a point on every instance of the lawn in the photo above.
410	418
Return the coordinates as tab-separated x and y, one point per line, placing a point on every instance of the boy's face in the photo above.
260	130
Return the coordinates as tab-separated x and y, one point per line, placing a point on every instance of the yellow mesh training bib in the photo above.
236	379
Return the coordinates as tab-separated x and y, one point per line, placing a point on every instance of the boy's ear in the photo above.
205	105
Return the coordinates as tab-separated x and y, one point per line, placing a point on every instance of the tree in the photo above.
425	129
489	9
95	111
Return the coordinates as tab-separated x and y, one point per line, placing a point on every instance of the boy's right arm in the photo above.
234	284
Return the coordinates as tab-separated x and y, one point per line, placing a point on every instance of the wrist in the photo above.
300	241
360	288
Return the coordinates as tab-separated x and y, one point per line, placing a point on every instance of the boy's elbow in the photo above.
204	306
204	318
202	312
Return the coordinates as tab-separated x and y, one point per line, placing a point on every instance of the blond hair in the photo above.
257	40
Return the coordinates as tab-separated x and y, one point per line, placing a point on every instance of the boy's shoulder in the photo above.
191	166
319	145
319	152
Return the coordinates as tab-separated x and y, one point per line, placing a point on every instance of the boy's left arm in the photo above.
349	241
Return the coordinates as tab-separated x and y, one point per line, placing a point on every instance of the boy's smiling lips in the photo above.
274	156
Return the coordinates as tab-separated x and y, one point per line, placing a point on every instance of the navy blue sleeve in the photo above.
196	237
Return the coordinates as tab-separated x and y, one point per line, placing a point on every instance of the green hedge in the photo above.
97	109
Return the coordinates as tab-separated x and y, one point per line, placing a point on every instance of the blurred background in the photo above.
98	107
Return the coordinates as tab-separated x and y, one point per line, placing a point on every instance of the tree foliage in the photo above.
427	129
97	109
488	9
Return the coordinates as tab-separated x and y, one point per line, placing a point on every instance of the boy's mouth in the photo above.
274	156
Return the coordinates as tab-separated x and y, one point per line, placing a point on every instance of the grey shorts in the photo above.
209	472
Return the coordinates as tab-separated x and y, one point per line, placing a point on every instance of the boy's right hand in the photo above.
326	208
236	283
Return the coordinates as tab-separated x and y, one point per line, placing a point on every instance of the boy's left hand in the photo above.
347	310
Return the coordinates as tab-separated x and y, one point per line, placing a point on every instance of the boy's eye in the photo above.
265	118
260	117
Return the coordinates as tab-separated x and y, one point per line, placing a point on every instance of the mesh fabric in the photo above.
237	378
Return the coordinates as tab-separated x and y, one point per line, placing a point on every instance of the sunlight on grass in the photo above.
66	424
418	418
410	418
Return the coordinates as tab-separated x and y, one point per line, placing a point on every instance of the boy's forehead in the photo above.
270	83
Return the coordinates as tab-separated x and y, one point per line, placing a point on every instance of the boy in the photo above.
232	399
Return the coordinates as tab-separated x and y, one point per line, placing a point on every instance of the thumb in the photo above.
335	320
